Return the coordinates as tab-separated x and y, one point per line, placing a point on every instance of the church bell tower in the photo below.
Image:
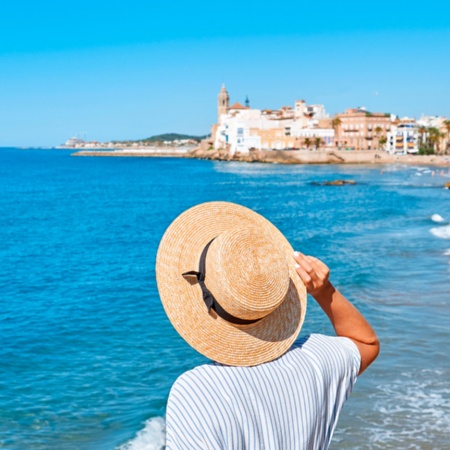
223	103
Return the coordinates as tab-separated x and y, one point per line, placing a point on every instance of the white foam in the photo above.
413	411
437	218
447	252
152	437
441	232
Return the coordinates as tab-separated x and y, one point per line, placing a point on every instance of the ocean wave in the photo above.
411	412
152	437
441	232
447	252
437	218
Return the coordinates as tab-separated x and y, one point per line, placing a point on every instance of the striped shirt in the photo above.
290	403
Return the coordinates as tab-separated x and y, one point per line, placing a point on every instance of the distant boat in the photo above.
73	142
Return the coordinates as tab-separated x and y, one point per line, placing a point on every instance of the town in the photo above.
241	129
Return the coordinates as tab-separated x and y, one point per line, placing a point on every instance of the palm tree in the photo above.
318	143
307	142
434	137
422	139
447	127
336	123
441	137
382	141
378	131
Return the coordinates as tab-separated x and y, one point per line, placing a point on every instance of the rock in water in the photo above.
334	182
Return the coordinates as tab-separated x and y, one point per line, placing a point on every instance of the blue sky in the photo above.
128	70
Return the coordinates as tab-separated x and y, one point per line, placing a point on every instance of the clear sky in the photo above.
132	69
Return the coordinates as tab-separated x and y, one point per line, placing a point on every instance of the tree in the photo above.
336	123
422	137
447	128
441	137
318	142
307	142
434	138
378	131
382	141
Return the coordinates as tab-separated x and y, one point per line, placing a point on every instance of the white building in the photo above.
403	138
241	128
431	121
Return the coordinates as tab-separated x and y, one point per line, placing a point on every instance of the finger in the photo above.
317	260
303	274
319	266
302	260
321	273
311	261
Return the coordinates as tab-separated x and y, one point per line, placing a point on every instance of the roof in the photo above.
237	105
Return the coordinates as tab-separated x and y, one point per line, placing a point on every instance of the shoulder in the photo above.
339	354
192	387
193	375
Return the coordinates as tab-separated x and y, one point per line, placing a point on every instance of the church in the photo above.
241	128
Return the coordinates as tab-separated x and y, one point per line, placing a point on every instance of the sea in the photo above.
87	354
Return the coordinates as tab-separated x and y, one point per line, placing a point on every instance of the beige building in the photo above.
359	129
241	128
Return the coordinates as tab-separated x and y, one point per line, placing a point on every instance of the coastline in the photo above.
325	156
139	152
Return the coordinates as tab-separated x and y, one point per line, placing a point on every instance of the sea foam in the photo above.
441	232
152	437
437	218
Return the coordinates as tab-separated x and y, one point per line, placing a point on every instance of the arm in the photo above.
347	321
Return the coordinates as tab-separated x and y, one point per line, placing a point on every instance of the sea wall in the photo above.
143	152
320	157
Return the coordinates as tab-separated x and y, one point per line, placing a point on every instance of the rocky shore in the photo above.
328	156
320	157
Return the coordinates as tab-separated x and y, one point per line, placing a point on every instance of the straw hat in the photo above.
228	284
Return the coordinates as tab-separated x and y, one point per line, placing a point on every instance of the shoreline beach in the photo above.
287	156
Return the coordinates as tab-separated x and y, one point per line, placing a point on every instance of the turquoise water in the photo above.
87	354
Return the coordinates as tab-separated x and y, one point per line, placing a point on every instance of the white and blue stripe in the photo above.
290	403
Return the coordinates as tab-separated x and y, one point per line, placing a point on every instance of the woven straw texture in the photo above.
249	270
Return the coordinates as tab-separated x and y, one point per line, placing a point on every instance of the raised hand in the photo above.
345	318
313	272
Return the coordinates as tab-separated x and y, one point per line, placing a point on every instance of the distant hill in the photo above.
173	137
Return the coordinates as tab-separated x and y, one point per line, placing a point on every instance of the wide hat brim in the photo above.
212	336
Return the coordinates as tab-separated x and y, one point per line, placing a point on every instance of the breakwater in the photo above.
332	156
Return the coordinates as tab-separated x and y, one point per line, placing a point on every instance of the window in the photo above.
240	132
